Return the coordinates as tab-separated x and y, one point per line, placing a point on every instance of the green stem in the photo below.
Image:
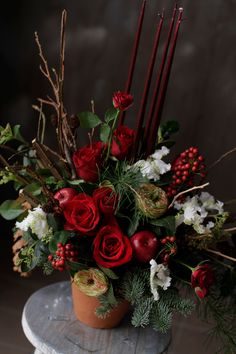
184	264
111	133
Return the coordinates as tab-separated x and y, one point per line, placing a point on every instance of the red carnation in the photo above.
111	247
202	279
122	143
122	100
88	160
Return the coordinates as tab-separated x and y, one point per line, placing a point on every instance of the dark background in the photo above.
100	33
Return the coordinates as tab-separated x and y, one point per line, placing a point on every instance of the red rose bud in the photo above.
106	200
111	247
122	143
122	100
82	214
202	279
88	160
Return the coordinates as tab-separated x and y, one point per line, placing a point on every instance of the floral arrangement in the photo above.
122	219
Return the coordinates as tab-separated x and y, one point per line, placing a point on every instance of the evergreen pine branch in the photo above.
161	317
175	302
107	302
134	285
142	311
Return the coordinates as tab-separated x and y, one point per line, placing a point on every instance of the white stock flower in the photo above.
36	220
153	167
194	211
159	277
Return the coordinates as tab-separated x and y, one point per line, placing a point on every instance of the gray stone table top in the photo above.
50	325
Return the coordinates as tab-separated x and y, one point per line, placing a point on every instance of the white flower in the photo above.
194	211
36	220
159	277
153	167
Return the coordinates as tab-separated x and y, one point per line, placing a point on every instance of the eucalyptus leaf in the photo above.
10	209
89	120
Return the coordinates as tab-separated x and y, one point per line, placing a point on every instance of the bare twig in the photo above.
186	191
230	229
44	158
222	157
221	254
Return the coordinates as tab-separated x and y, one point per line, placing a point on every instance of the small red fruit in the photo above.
145	246
64	195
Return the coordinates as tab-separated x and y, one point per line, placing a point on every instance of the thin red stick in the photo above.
158	81
133	56
161	97
147	84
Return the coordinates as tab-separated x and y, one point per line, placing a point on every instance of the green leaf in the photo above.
89	120
169	128
109	273
133	225
54	221
16	133
10	209
168	223
104	132
76	182
59	236
5	134
34	188
110	114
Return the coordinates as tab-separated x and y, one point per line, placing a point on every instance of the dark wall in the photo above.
202	90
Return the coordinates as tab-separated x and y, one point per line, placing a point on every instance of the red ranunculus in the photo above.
122	100
88	160
123	139
82	214
111	247
106	200
202	279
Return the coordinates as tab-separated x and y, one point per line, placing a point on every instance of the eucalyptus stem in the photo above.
111	133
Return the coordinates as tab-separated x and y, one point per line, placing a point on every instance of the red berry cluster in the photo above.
187	165
169	249
63	253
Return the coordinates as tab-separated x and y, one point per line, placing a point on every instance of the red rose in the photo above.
111	247
122	100
202	279
123	139
88	160
82	214
106	200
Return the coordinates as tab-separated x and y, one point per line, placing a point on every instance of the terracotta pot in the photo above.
85	307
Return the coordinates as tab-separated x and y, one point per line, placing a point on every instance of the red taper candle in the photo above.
158	81
161	97
147	84
133	56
